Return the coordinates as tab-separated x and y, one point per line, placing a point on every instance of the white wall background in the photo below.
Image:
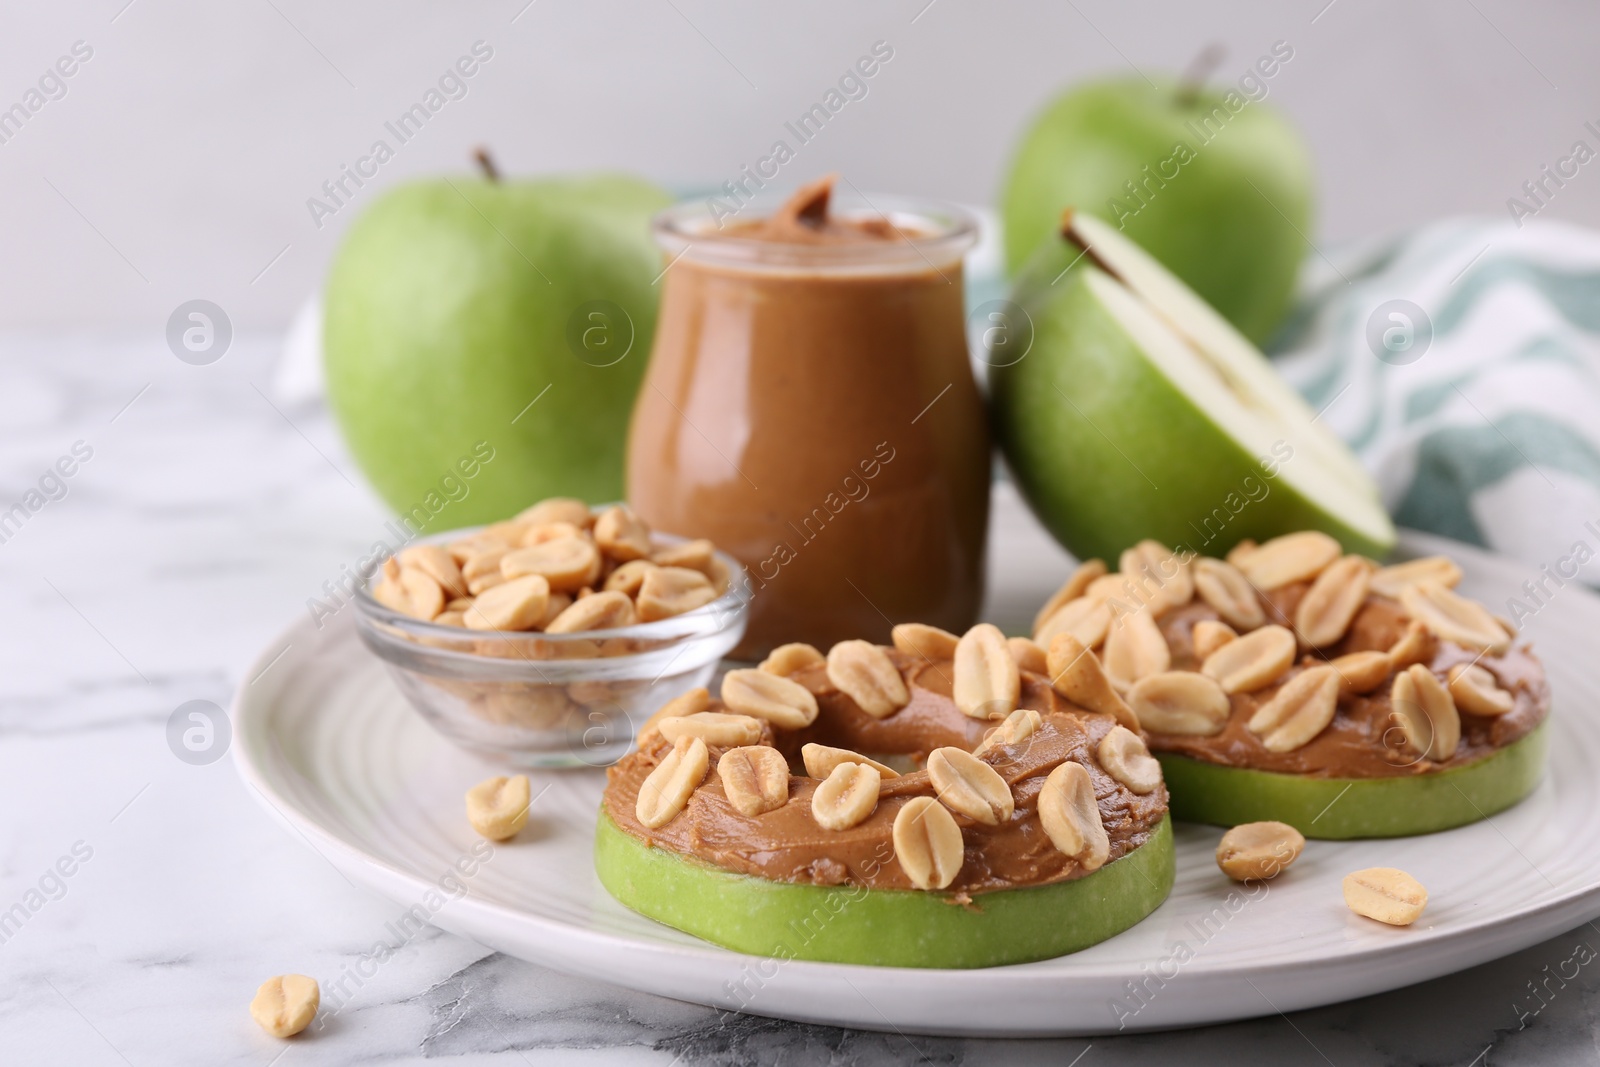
179	161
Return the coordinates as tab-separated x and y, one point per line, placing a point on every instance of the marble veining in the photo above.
209	513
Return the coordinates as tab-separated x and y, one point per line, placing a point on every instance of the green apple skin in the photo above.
1108	451
883	927
446	314
1344	808
1239	247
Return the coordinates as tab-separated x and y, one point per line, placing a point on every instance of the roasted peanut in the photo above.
925	642
424	596
1071	590
1076	674
1209	635
1426	713
1386	894
437	562
1029	656
785	704
864	672
557	509
1253	661
498	807
1160	573
481	570
928	844
1361	672
1070	815
987	683
755	779
820	761
786	659
697	555
848	795
1297	712
690	703
518	604
1476	692
1257	851
666	790
1086	618
966	784
285	1005
1330	605
599	611
1229	592
1134	649
669	591
1180	702
1018	726
1295	557
621	534
713	727
629	577
1455	618
1124	756
1391	581
567	563
1239	551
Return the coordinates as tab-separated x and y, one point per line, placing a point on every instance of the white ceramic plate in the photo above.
331	748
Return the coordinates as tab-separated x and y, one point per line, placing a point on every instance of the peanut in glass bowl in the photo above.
532	699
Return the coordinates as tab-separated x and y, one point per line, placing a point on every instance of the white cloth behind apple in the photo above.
1477	408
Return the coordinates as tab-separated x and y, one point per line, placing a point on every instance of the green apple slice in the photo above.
1342	808
1140	412
882	927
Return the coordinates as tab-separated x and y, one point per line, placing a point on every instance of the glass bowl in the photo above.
552	700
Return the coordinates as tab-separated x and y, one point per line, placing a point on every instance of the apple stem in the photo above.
1200	68
486	163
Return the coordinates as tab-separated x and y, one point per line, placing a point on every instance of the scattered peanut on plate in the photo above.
498	807
1386	894
1256	851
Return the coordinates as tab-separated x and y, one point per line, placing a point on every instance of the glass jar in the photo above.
811	408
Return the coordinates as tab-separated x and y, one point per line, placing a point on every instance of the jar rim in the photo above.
934	234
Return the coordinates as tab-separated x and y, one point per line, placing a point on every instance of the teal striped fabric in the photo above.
1462	363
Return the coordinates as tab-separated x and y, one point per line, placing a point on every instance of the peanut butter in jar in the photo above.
810	407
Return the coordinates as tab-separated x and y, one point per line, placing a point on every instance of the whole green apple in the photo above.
497	327
1137	411
1216	186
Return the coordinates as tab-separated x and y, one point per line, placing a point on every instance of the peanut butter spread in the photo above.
1028	761
804	219
787	844
1361	741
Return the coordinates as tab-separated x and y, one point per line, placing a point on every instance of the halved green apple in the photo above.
883	927
1342	808
1140	412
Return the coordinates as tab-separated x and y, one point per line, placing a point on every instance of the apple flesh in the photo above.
448	313
1343	808
1139	412
882	927
1222	188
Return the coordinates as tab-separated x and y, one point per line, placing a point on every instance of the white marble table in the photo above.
205	516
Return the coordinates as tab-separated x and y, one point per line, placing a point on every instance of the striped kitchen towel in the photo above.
1461	361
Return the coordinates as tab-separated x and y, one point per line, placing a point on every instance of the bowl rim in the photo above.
727	609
